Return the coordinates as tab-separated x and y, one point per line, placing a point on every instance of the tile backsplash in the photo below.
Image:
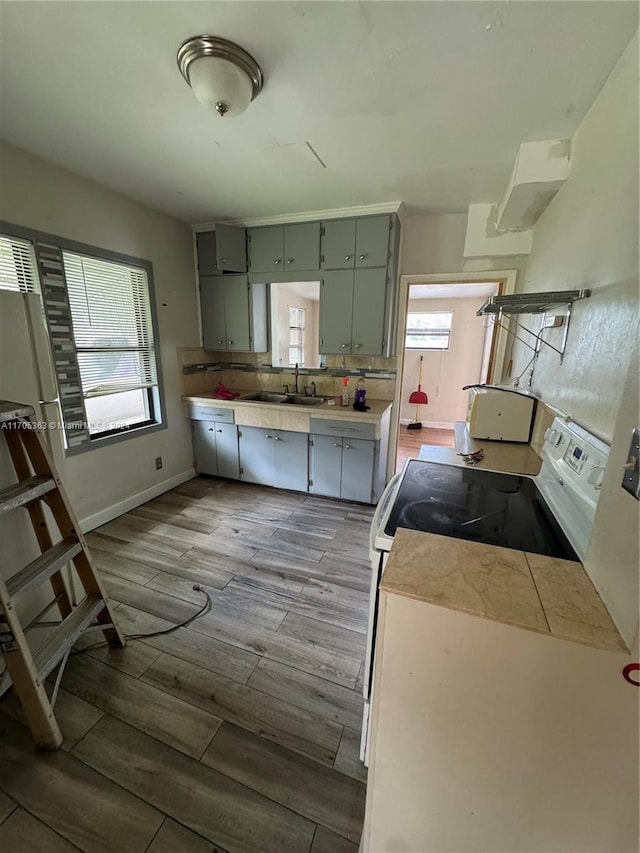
202	370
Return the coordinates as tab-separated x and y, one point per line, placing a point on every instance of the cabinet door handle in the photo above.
276	438
220	341
357	346
229	342
347	257
266	435
362	257
218	430
335	444
344	346
210	429
277	261
290	260
347	447
224	260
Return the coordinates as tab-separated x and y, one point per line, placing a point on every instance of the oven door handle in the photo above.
381	508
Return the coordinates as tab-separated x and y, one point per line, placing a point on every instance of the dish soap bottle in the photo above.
361	392
344	397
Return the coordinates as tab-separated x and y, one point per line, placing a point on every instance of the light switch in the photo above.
631	478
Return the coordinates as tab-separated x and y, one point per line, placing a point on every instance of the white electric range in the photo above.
551	513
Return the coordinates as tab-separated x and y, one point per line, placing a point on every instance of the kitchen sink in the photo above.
301	400
292	399
266	397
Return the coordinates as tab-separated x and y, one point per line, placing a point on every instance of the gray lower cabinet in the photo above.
342	467
353	311
288	248
216	449
274	457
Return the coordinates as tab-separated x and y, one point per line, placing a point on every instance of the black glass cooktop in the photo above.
481	506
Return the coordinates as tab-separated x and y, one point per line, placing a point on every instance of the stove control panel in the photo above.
576	456
573	467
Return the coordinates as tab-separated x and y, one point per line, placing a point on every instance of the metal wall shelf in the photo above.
534	303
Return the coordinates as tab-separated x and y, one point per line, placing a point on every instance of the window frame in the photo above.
301	329
157	404
429	332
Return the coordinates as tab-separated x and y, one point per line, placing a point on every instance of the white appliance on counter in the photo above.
550	514
496	413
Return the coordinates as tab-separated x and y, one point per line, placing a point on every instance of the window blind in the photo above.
18	270
112	325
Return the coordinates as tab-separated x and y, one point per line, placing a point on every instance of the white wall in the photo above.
588	238
433	244
444	373
286	296
41	196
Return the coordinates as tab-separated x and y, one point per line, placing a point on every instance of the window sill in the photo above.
115	438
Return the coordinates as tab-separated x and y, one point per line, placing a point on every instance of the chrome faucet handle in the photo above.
286	389
313	389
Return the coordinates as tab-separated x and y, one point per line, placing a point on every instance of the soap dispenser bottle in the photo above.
361	392
344	397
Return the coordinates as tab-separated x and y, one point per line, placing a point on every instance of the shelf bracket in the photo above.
533	303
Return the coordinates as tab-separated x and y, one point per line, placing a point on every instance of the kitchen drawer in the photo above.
211	413
348	429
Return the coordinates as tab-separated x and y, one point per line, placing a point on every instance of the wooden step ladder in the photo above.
27	670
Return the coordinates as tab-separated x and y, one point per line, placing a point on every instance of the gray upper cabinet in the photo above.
336	311
352	311
368	327
214	331
222	250
339	244
372	241
266	248
237	313
226	317
349	243
302	246
288	248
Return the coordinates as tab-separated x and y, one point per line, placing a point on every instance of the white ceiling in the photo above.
421	102
462	290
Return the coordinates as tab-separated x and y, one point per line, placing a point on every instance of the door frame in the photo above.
506	285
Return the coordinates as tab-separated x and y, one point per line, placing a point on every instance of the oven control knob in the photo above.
553	437
596	476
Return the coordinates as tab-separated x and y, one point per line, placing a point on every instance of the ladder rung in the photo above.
25	492
42	567
5	682
62	639
11	411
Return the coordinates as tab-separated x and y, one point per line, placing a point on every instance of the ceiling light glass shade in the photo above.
223	76
219	84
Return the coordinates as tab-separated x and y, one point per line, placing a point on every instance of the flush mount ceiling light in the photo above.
223	76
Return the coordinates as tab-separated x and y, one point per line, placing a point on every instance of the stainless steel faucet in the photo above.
295	373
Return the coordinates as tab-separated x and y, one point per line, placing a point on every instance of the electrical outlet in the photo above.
631	477
158	463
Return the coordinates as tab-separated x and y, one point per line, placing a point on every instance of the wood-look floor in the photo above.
411	440
236	734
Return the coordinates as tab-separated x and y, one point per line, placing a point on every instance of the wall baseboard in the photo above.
113	511
429	424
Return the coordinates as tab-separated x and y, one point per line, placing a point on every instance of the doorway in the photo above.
446	346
